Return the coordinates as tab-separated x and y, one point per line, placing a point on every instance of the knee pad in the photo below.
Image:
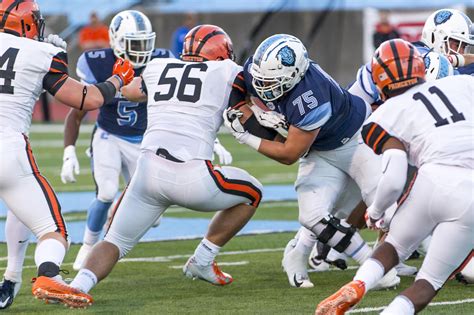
107	191
334	232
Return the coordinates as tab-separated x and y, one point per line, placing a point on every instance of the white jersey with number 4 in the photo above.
23	65
185	105
434	121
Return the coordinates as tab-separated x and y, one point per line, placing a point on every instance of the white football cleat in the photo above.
210	273
406	270
389	281
294	263
81	256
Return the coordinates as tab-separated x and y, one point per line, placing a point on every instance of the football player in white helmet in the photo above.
451	32
324	122
437	66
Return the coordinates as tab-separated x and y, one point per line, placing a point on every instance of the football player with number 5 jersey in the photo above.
30	64
429	125
186	99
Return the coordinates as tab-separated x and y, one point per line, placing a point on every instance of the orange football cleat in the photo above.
50	290
341	301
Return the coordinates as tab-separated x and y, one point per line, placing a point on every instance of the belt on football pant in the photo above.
163	153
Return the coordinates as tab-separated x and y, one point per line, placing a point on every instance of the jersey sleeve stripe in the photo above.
375	137
241	89
60	61
379	138
63	77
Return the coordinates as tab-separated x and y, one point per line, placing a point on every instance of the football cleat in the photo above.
406	270
294	263
81	256
8	291
389	281
341	301
210	273
51	290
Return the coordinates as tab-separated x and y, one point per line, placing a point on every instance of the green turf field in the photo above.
150	281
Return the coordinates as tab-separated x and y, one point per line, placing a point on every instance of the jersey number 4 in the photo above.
440	121
185	80
8	74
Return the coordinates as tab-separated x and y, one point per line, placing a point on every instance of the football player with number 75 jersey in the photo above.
429	125
186	99
31	64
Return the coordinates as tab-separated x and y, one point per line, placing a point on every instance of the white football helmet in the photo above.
437	66
131	37
279	63
446	24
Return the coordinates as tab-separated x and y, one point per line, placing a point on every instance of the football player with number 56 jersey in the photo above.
30	64
429	125
186	99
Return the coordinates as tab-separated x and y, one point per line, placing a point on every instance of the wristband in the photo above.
253	141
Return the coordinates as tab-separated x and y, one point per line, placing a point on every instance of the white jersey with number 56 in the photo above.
185	105
434	121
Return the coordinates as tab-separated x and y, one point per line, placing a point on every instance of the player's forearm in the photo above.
72	125
279	152
87	97
392	182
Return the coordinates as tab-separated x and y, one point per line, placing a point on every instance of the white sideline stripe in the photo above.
229	263
57	128
373	309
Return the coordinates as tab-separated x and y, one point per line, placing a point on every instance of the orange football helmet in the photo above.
21	18
207	42
396	66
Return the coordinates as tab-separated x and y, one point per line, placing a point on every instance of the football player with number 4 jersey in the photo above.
186	99
429	125
30	64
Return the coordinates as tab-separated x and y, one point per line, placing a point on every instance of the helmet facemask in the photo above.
139	48
271	88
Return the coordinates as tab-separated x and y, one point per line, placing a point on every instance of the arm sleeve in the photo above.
364	86
392	182
84	72
57	73
238	94
375	137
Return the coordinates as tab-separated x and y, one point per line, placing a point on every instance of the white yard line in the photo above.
375	309
229	263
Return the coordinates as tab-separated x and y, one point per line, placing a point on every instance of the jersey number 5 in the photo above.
8	74
440	121
185	80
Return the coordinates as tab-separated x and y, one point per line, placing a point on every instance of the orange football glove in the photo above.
124	69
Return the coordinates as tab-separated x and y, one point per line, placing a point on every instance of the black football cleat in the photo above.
7	293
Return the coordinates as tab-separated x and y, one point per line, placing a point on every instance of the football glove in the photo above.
271	119
70	165
224	156
56	41
124	69
232	122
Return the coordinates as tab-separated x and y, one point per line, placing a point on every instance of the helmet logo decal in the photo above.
287	56
427	61
442	16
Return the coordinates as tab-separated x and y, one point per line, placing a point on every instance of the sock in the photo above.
90	237
358	249
49	252
370	273
84	281
400	305
305	241
206	252
97	215
17	237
